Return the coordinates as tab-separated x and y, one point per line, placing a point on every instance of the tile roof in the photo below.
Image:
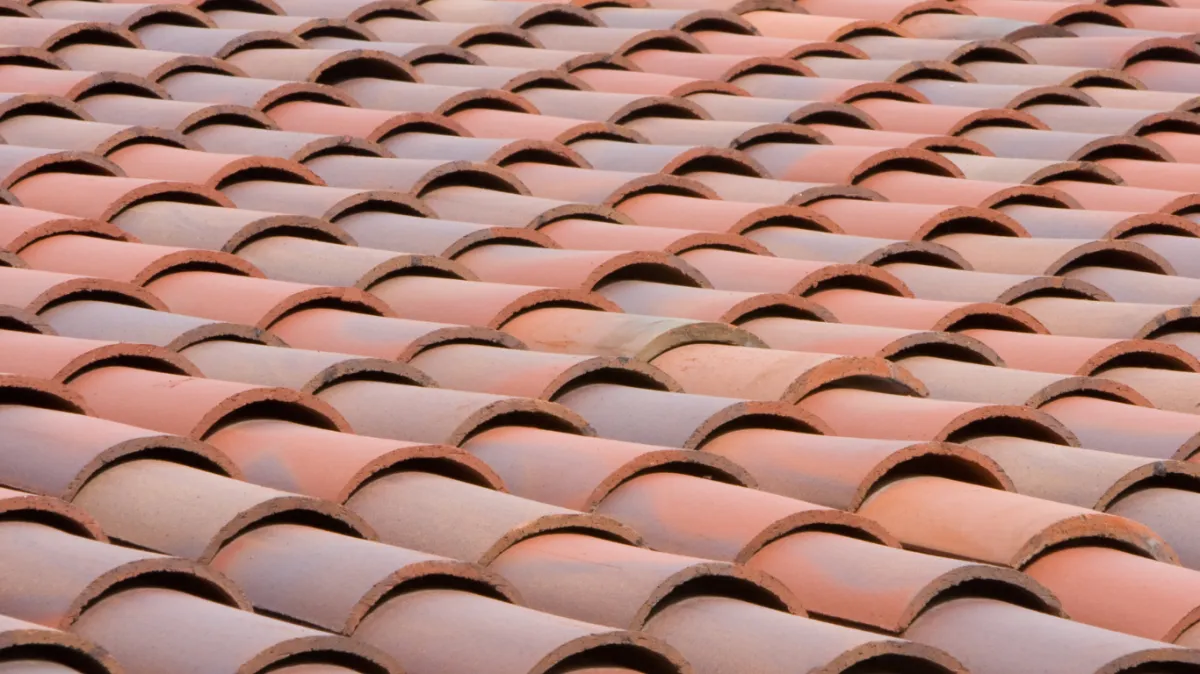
599	337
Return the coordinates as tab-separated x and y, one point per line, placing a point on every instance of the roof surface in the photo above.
600	337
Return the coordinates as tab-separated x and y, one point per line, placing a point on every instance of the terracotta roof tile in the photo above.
670	337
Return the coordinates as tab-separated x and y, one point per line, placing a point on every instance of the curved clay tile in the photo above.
521	14
86	136
414	176
686	20
144	502
827	89
650	84
71	448
941	119
719	67
288	456
799	244
729	270
845	164
444	516
254	301
322	66
487	123
153	66
18	163
690	515
296	146
572	575
672	159
845	135
449	417
1126	285
455	33
374	336
575	269
955	285
559	60
1067	646
38	291
353	10
948	50
216	42
1082	355
181	116
298	369
287	258
20	320
768	110
61	359
842	472
300	26
915	222
319	201
884	70
457	632
1033	171
721	134
192	406
1146	598
781	332
778	192
927	189
601	187
721	216
441	99
210	169
84	571
823	568
1065	145
53	34
181	624
496	151
1055	223
374	126
430	236
721	42
1141	99
17	506
486	206
581	234
766	374
489	78
134	263
1166	389
1016	96
988	525
1098	479
946	379
887	415
369	573
75	85
1119	52
257	94
127	15
57	652
1171	512
102	197
717	632
412	54
572	330
532	374
1009	255
680	420
616	108
706	304
621	41
1078	318
1162	434
167	223
126	321
583	476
